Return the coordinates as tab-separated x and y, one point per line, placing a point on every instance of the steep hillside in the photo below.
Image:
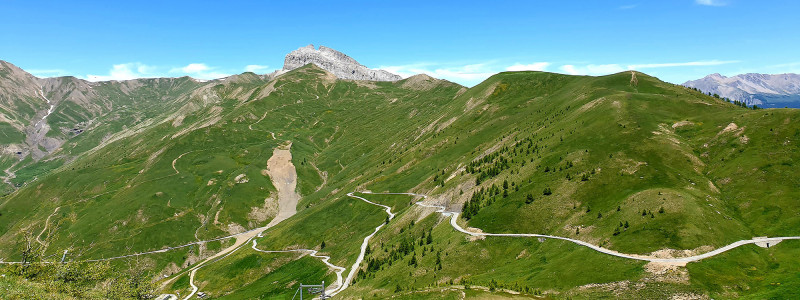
199	174
608	154
651	169
52	121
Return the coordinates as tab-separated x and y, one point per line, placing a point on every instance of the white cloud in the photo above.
604	69
592	69
43	73
630	6
711	2
126	71
255	68
191	69
199	71
569	69
467	74
538	66
793	64
682	64
409	70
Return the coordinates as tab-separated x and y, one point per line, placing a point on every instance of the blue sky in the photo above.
463	41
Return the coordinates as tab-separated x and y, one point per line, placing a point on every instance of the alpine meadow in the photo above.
330	179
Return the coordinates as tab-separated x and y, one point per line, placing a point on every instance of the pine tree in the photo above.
529	198
413	261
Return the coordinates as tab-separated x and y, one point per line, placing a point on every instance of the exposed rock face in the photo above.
38	116
765	90
341	65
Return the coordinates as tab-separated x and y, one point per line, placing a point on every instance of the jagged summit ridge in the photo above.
338	63
770	90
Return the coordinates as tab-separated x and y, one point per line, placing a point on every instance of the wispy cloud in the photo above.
409	70
538	66
134	70
792	67
125	71
191	68
592	69
199	71
711	2
792	64
629	6
255	68
682	64
467	74
43	73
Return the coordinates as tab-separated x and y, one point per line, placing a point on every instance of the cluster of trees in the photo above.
439	179
496	164
742	104
726	99
399	252
621	227
481	198
495	285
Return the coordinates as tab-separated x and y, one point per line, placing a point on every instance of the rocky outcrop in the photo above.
766	90
338	63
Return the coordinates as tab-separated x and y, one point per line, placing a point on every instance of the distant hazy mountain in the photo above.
765	90
338	63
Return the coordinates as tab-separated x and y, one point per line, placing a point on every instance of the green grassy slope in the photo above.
529	152
88	116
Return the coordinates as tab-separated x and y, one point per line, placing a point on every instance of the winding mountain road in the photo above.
364	245
313	253
681	260
283	175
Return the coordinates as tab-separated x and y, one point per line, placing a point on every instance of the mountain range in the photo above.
764	90
38	116
527	185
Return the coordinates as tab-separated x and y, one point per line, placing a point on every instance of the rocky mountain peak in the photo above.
338	63
766	90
